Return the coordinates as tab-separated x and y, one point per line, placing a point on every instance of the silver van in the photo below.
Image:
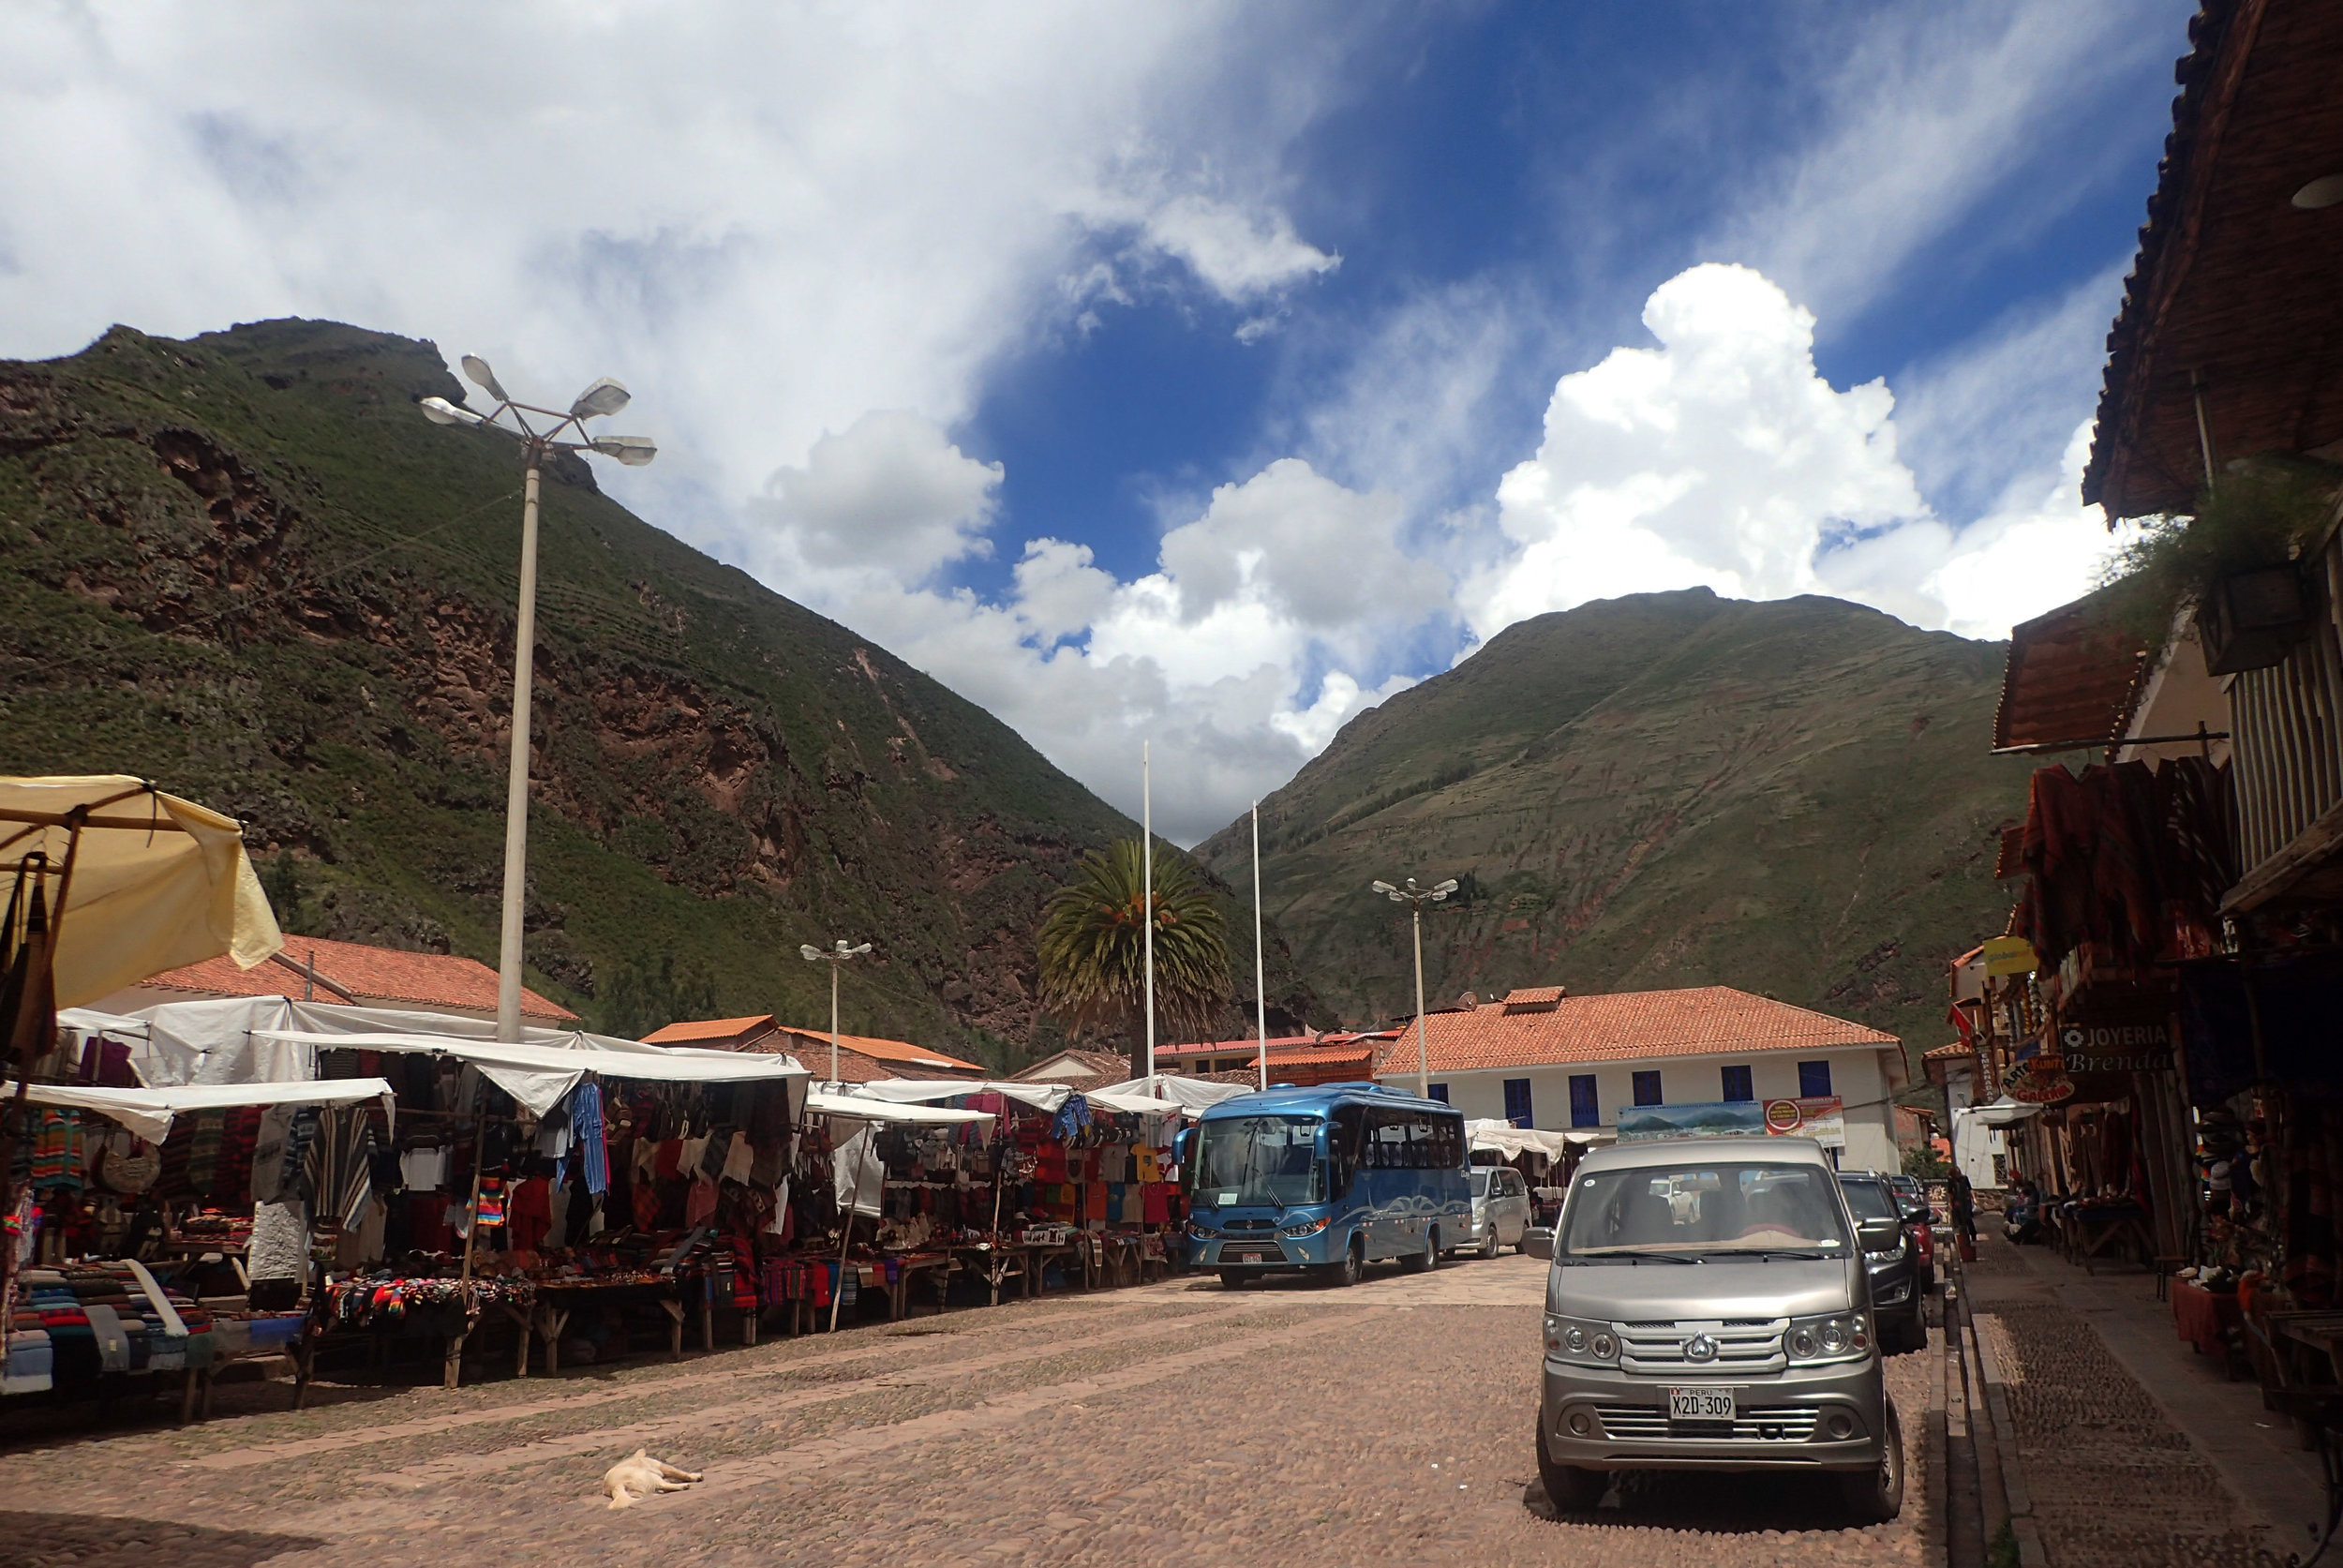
1708	1308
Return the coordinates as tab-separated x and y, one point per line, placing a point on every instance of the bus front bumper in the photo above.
1262	1250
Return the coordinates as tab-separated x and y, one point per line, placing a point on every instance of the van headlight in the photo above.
1576	1339
1202	1233
1303	1227
1840	1337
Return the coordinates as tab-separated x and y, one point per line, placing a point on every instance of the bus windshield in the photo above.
1696	1205
1245	1160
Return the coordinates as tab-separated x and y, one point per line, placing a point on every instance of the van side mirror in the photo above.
1879	1234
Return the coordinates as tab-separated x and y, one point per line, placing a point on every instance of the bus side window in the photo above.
1342	1148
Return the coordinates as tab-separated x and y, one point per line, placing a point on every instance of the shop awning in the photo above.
157	882
2000	1113
916	1091
148	1113
540	1077
861	1108
2072	677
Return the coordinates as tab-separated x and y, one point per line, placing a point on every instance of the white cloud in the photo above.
1242	253
1723	458
889	491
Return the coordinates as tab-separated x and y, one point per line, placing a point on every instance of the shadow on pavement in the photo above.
35	1540
1719	1503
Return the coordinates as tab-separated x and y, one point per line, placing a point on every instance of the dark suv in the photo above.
1899	1289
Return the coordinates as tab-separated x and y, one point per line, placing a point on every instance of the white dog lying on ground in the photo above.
638	1476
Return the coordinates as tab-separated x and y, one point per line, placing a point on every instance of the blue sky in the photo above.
1193	374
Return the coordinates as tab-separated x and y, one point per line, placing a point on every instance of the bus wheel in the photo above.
1347	1272
1428	1259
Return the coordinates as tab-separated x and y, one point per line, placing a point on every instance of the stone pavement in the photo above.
2110	1475
1178	1423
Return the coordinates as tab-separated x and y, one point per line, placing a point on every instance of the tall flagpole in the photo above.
1261	965
1147	883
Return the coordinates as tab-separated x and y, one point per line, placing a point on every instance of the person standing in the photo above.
1964	1204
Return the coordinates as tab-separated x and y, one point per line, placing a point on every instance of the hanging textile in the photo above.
586	1115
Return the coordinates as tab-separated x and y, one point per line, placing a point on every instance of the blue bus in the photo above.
1326	1180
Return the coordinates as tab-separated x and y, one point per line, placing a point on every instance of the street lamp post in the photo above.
1416	898
605	396
834	958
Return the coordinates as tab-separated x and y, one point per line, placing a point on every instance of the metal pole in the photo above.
1423	1061
1261	967
833	1021
1147	908
516	783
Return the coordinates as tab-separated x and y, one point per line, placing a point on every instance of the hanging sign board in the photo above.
2010	955
1821	1117
2142	1047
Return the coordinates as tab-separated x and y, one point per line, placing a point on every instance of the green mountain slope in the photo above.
1668	790
244	566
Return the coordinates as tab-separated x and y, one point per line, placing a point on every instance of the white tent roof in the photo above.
2000	1113
864	1108
540	1077
1193	1094
915	1091
1510	1140
1148	1105
148	1113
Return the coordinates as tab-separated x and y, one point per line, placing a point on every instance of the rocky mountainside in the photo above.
244	566
1668	790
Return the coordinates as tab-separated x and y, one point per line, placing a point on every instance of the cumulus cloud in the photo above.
889	491
1723	458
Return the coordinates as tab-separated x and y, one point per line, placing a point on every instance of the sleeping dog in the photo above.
638	1476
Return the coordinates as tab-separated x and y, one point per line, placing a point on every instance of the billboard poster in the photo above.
1822	1119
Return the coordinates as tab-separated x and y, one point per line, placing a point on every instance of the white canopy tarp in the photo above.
1146	1105
915	1091
88	1021
148	1113
2002	1113
541	1077
862	1108
1193	1094
1513	1141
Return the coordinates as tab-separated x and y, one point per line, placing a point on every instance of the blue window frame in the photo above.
1438	1091
1648	1089
1585	1109
1517	1102
1814	1080
1737	1083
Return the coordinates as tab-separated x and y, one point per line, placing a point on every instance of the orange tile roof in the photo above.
710	1029
1698	1020
1944	1053
1101	1067
892	1052
1250	1042
372	974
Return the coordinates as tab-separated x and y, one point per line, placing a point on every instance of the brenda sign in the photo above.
2116	1047
1821	1118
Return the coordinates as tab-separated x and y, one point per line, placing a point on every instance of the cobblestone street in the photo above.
1178	1423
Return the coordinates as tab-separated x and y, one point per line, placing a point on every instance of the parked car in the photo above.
1923	1221
1500	1210
1899	1289
1755	1353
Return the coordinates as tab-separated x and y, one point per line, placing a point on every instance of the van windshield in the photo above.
1245	1160
1698	1205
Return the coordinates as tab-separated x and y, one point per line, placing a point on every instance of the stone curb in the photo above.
1999	1469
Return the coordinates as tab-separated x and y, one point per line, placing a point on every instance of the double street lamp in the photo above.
835	957
1416	898
566	433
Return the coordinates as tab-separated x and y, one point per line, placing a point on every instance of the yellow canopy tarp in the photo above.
157	882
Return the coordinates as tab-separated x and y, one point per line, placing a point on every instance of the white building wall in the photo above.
1857	1077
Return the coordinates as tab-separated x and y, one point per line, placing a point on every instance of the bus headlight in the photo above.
1202	1233
1303	1227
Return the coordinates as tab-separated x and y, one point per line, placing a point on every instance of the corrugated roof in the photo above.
1698	1020
2232	289
2071	679
369	973
710	1029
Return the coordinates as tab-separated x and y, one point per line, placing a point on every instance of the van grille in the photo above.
1757	1424
1743	1345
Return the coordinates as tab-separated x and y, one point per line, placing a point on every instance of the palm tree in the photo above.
1092	950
